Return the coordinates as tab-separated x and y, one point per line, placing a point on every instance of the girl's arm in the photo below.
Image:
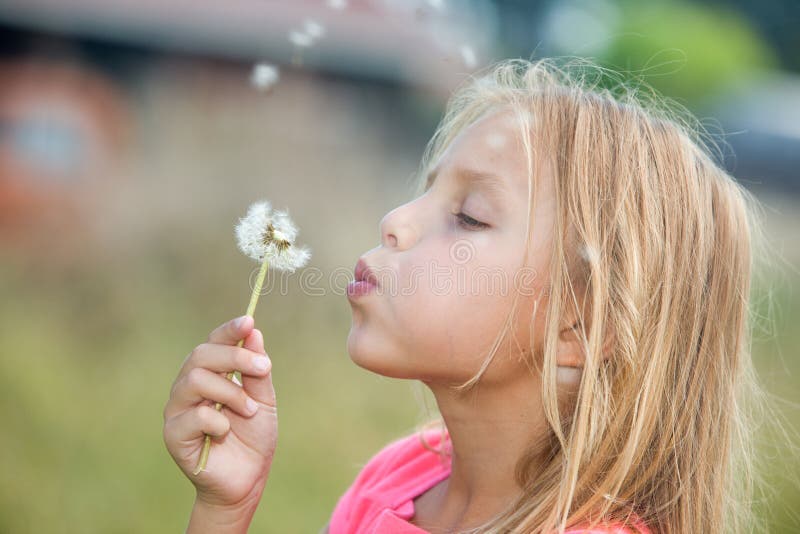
208	518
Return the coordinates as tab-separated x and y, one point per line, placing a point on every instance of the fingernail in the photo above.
239	322
260	363
251	405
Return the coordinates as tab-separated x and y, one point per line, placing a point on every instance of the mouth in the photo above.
364	280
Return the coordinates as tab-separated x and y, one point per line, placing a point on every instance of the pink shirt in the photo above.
381	499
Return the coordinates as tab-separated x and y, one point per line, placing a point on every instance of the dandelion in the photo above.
262	234
268	238
264	76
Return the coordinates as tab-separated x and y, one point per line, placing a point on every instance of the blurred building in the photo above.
81	115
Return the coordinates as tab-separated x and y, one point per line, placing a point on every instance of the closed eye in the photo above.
469	223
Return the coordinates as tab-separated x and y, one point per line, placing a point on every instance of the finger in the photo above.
256	343
200	384
231	332
224	358
200	420
259	387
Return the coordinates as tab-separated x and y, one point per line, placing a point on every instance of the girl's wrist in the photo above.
208	517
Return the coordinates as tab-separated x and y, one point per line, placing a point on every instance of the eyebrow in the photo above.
492	184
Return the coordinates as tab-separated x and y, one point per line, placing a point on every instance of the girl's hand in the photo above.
243	434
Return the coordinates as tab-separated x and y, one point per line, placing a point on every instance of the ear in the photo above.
570	352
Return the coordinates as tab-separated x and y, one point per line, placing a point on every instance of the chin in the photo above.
375	355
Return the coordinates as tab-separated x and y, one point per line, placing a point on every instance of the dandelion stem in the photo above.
251	309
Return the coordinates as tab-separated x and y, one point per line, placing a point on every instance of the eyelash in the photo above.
469	223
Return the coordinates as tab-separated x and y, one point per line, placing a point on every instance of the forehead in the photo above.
491	145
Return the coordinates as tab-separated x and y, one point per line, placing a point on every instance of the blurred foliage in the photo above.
686	51
777	20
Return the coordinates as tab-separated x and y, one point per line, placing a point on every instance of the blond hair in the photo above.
661	429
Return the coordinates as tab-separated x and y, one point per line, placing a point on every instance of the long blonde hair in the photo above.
666	239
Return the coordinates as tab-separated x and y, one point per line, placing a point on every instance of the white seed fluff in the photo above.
300	39
495	140
588	253
264	76
313	28
254	239
468	56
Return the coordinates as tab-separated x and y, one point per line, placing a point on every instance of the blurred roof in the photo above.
420	42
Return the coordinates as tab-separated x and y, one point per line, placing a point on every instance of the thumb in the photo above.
258	387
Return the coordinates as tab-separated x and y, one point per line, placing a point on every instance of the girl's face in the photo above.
450	262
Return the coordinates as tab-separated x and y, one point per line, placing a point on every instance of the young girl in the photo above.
571	283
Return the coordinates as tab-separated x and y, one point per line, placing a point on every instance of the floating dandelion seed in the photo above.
300	39
313	28
588	253
268	238
337	4
495	140
468	55
264	76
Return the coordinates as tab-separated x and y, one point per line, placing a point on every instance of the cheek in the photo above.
456	306
444	312
534	298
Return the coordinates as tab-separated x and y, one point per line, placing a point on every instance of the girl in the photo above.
571	282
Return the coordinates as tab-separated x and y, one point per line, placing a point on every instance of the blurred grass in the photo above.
89	353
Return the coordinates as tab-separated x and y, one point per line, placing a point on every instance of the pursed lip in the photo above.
363	272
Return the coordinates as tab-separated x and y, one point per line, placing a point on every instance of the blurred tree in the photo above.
777	20
687	51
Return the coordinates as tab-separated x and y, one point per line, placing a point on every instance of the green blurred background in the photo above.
133	135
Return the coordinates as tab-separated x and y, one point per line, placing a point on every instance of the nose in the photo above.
397	230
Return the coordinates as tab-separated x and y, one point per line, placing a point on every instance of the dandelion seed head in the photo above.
264	76
262	234
290	259
284	226
300	39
